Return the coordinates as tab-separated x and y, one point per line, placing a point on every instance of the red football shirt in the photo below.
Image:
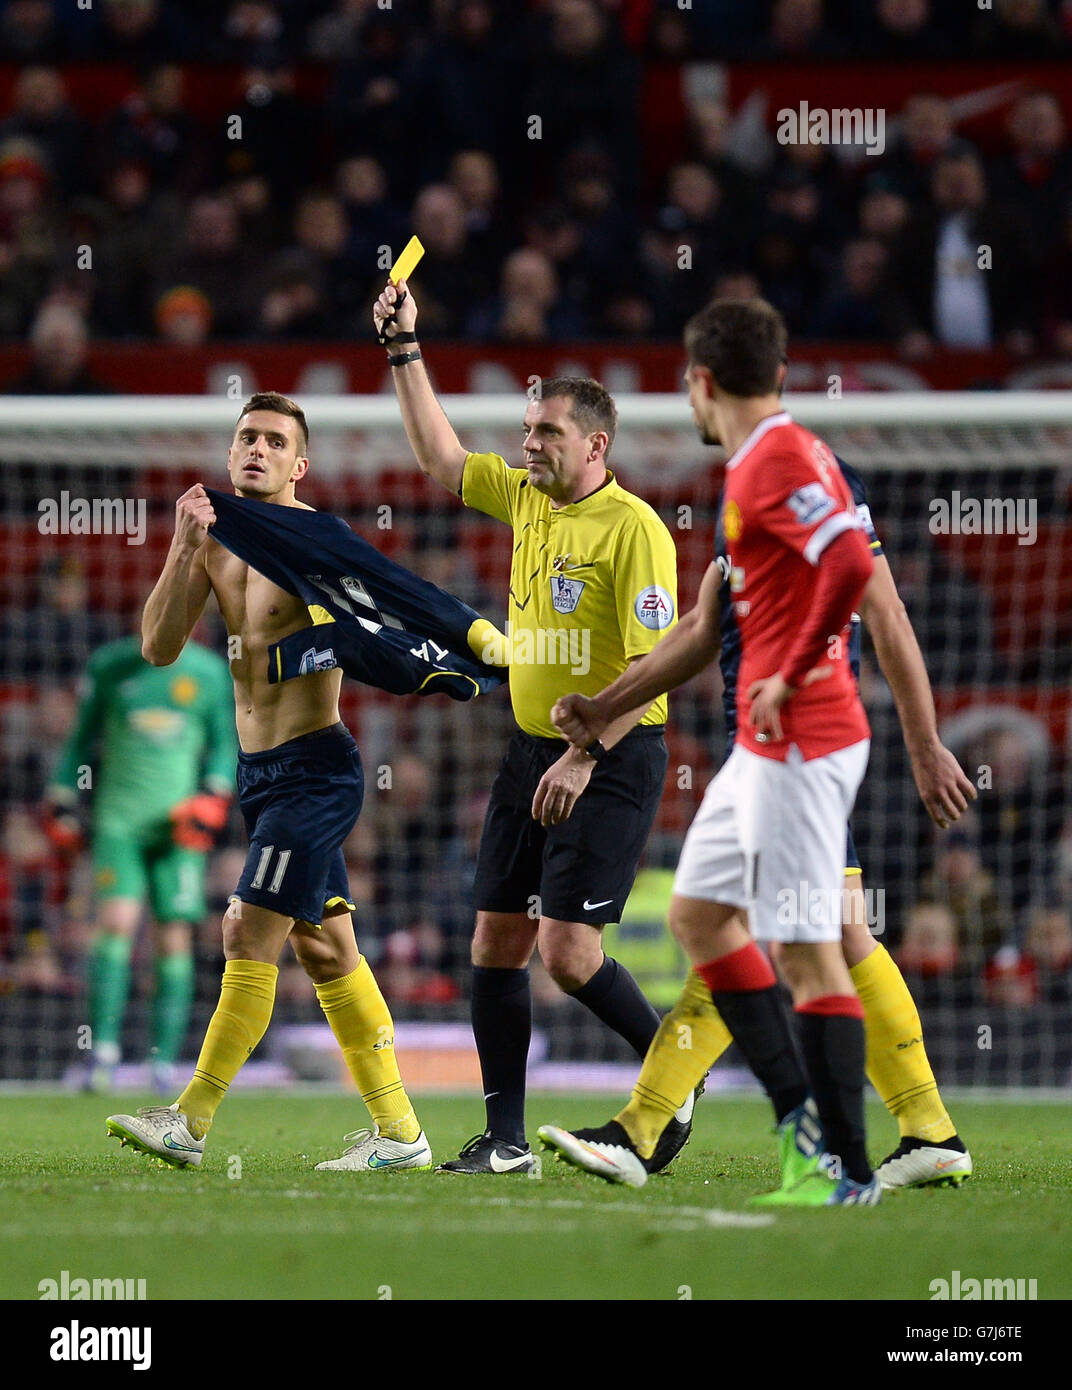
785	500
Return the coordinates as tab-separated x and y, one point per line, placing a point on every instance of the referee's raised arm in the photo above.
431	435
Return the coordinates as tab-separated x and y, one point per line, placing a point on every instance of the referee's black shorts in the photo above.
583	869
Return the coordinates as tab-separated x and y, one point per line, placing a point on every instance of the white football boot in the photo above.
370	1150
915	1163
159	1130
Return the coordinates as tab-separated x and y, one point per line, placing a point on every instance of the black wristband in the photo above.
403	358
596	750
406	337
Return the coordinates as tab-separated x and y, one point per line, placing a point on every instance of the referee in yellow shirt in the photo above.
593	585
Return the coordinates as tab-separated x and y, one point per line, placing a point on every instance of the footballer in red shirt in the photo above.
768	843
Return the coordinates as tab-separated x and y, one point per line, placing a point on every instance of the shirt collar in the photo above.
769	422
607	485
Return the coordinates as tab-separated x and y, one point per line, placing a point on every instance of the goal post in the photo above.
971	494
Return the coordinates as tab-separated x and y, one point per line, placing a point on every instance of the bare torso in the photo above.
258	613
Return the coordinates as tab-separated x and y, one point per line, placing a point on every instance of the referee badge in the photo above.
565	593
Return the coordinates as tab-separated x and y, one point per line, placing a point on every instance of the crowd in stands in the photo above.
346	126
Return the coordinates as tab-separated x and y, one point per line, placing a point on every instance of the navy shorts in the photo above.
852	861
300	801
583	869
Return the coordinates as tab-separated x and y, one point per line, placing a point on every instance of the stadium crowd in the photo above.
528	147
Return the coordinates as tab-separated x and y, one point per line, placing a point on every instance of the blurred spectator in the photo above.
453	102
709	141
940	292
855	307
136	233
1035	176
365	104
883	211
1020	807
529	307
1016	31
607	227
475	179
211	259
374	220
736	284
259	218
29	32
268	125
28	234
254	32
53	636
31	733
452	278
960	883
926	131
58	367
583	88
292	303
929	944
183	315
629	313
1042	971
337	35
902	31
321	237
42	113
152	128
1049	940
696	207
798	29
144	32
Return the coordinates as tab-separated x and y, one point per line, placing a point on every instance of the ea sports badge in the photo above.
654	607
731	521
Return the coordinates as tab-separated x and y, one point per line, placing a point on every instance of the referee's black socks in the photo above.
502	1026
616	999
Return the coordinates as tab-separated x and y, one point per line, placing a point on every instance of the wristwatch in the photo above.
596	750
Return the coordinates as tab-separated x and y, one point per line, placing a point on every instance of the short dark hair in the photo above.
591	405
282	405
741	342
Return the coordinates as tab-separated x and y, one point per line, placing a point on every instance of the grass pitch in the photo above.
256	1222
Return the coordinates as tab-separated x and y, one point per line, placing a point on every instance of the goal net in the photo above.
971	496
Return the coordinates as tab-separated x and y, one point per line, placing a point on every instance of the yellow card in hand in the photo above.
410	258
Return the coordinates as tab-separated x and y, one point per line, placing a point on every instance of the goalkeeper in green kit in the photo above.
155	748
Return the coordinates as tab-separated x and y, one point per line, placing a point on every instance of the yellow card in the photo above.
410	258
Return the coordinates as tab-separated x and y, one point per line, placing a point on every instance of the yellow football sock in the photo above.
361	1022
241	1018
897	1064
691	1038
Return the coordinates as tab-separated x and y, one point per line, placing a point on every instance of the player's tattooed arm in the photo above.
943	787
678	656
179	596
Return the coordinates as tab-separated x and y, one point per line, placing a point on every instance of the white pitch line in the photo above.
708	1216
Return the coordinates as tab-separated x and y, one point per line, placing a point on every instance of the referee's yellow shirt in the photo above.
592	585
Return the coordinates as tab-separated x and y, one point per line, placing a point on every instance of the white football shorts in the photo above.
769	837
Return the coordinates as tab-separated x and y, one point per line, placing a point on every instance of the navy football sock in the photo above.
614	997
502	1026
